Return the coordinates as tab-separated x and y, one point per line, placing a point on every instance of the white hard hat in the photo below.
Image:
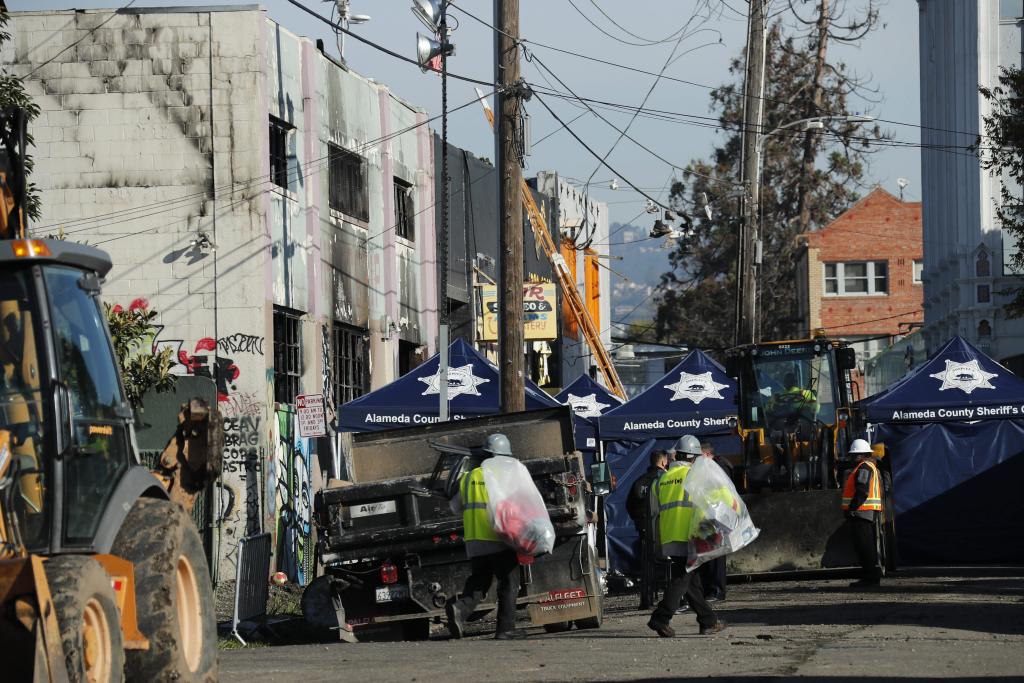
860	447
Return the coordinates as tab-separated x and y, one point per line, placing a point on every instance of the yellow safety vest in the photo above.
675	507
475	522
874	499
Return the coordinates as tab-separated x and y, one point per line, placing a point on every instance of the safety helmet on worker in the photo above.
860	447
688	445
498	444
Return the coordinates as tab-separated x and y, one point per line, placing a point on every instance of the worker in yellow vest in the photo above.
675	515
862	504
489	557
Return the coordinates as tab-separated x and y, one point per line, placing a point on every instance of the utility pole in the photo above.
750	238
510	204
818	99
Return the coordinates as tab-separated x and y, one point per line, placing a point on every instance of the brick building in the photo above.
859	278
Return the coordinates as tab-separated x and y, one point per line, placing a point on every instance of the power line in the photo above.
697	84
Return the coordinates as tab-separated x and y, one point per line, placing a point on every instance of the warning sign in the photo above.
310	408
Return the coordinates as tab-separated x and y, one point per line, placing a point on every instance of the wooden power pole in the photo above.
510	203
750	239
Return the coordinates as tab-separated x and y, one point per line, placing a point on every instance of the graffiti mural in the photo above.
294	499
205	360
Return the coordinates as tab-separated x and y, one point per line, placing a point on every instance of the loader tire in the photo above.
90	625
174	597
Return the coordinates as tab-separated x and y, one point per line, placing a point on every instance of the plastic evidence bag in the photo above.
515	508
721	523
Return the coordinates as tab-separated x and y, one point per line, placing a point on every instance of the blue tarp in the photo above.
954	430
695	397
413	398
588	400
627	461
958	382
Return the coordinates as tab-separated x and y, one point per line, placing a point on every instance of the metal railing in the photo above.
252	589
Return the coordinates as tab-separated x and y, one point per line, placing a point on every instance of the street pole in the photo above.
749	252
442	294
510	221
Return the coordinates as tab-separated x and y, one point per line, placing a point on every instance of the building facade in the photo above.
269	203
860	276
967	256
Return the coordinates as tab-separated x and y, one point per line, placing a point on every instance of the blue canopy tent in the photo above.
589	400
954	431
695	397
413	398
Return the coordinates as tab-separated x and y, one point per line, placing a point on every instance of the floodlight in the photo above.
429	13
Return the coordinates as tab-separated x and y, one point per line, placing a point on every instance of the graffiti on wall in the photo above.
205	359
293	492
243	457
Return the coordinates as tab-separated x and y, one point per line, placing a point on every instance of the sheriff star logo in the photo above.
586	406
696	387
964	376
460	381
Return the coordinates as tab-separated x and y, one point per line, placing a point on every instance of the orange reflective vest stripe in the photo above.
874	499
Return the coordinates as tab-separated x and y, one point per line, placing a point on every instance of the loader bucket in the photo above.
29	622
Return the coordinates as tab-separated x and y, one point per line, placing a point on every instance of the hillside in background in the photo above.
643	262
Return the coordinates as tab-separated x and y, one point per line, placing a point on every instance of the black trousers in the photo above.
863	533
503	566
712	576
688	584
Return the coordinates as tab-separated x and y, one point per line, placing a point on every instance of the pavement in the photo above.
912	629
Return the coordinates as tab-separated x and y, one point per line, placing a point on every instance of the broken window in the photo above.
405	217
287	354
279	151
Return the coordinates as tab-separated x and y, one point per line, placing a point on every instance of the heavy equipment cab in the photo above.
105	574
795	412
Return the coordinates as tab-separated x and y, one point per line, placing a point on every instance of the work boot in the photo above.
683	607
513	634
456	626
711	630
663	630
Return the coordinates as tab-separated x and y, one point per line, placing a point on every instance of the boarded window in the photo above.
571	327
348	191
592	286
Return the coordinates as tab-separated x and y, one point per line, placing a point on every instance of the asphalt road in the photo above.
912	629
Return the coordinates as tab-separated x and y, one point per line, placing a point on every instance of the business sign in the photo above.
310	409
539	313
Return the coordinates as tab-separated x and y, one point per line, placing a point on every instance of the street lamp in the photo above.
433	15
754	213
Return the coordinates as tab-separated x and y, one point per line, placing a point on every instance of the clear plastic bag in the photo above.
720	523
515	508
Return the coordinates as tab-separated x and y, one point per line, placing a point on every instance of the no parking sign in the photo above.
310	408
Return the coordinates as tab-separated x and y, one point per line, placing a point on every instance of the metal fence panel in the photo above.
252	572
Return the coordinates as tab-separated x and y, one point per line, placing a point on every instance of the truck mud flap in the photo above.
800	530
566	584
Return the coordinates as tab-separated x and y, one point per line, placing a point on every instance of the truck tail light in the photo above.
570	484
388	573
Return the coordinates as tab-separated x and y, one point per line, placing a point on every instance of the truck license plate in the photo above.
392	593
371	509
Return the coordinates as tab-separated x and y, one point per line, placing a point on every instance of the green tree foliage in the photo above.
142	370
13	95
1002	153
697	297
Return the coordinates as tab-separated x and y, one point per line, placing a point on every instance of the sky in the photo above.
715	33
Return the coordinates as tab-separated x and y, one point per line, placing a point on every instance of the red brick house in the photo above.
859	277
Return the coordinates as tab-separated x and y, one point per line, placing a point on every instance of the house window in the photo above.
405	224
918	271
279	130
347	177
982	267
857	279
984	330
984	294
351	362
1011	9
287	354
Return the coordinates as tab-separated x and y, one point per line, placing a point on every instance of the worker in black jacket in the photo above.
642	510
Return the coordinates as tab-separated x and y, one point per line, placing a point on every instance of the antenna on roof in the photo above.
902	183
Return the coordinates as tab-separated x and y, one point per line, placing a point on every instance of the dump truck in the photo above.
391	550
102	572
796	421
